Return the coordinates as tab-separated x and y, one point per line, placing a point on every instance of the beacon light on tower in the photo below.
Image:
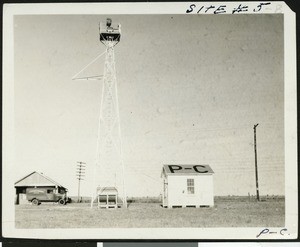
109	33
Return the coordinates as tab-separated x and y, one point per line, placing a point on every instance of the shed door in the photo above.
22	198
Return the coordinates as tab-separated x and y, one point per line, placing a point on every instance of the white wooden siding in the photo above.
178	194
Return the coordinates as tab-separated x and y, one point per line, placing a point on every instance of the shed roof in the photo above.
36	179
107	191
187	170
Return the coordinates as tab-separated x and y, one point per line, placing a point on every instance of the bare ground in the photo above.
227	212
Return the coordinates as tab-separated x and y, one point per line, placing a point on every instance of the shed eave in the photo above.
190	174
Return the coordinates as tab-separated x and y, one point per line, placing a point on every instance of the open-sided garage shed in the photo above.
36	180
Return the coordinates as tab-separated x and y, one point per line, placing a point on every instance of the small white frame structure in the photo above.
187	186
108	193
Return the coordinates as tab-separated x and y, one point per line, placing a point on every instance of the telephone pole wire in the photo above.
80	172
256	172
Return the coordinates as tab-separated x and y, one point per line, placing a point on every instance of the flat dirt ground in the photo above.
227	212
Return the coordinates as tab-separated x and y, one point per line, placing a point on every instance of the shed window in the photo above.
190	186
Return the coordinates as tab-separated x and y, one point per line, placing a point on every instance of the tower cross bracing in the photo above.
109	165
109	161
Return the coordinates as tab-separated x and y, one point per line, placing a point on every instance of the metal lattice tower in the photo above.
109	167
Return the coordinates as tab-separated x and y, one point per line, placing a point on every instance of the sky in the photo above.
191	88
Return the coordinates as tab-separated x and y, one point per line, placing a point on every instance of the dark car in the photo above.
45	194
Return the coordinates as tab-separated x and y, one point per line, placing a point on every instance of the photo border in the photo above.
290	125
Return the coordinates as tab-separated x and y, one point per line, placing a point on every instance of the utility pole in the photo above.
256	172
80	172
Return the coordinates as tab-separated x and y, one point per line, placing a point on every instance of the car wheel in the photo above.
62	202
35	202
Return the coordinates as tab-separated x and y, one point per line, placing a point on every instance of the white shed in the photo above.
187	185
